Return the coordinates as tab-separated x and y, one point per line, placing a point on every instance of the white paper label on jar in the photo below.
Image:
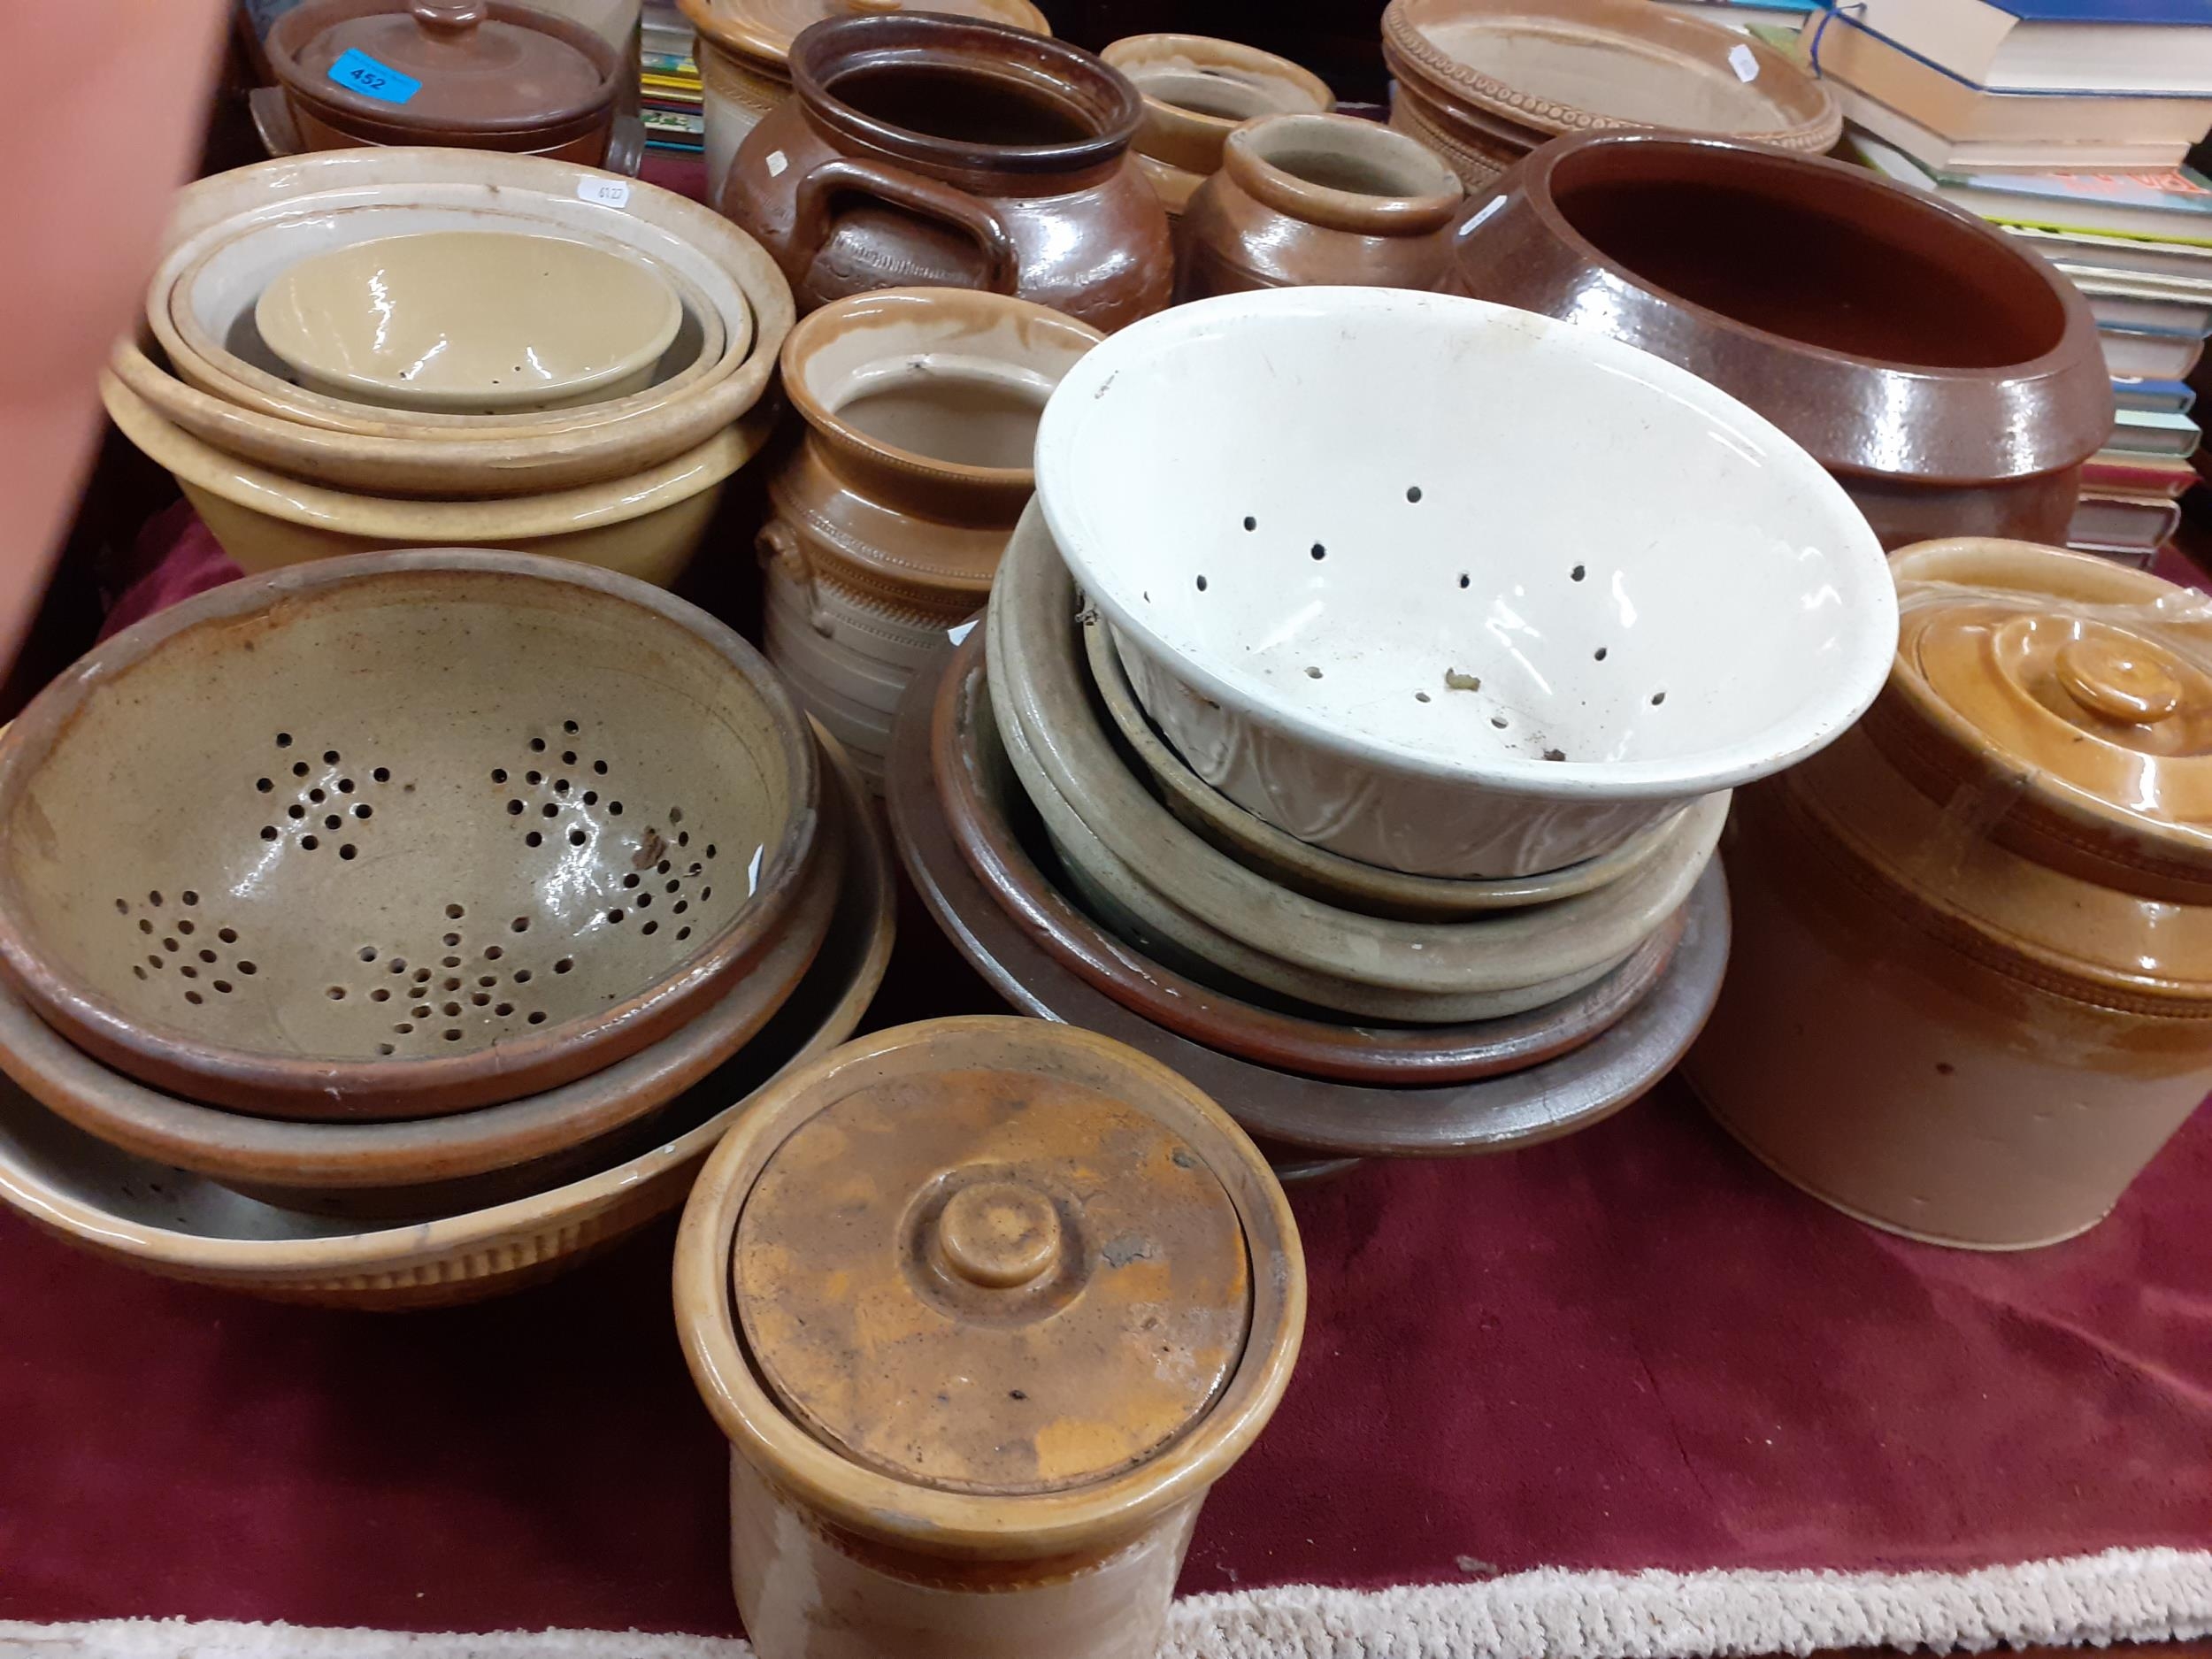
606	192
1746	66
777	162
961	631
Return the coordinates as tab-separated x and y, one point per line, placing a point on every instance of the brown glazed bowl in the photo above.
1951	380
939	152
244	843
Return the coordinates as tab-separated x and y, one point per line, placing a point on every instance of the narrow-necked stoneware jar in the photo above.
984	1307
1196	92
1951	380
1971	994
1302	200
954	153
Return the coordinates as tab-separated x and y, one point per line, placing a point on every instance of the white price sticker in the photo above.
961	631
606	192
1743	62
777	162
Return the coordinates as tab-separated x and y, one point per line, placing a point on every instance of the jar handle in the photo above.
842	175
778	545
449	17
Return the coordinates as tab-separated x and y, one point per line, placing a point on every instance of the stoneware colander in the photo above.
398	834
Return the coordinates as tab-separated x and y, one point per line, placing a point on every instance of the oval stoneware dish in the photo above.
1547	667
1973	994
311	826
1302	199
1196	92
1110	1287
1948	377
956	154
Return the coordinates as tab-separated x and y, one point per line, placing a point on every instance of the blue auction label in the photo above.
357	71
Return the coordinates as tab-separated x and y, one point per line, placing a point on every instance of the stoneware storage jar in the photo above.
1972	989
471	74
985	1306
744	50
1950	380
1305	199
954	153
1196	92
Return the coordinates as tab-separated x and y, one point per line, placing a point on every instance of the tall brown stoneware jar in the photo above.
919	149
1949	378
1971	988
985	1306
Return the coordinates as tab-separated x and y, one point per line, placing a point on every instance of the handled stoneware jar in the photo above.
954	153
1972	989
1310	199
1951	380
984	1307
1196	92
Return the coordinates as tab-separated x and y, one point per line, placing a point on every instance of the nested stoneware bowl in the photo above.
1196	92
179	1225
1434	640
1949	378
234	837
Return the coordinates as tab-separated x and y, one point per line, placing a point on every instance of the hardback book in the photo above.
2173	204
1745	15
2141	431
1850	55
2184	261
1941	155
2166	398
2128	355
2130	523
2149	310
2163	476
2160	46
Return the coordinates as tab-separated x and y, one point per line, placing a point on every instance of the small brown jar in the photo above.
1308	200
469	74
985	1306
949	152
1196	92
1971	988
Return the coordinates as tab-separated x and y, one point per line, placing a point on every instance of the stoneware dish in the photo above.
1222	913
180	1226
646	526
1427	640
1304	199
1540	1103
434	1166
953	153
1196	92
1110	1287
1948	378
471	322
988	813
1500	77
1315	871
1997	893
308	824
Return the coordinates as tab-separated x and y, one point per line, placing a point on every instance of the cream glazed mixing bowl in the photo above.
1450	587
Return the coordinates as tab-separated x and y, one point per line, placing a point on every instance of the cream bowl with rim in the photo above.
1452	588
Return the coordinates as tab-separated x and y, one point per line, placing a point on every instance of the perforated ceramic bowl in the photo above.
398	834
1448	588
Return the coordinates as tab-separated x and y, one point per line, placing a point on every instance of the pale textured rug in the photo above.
2122	1596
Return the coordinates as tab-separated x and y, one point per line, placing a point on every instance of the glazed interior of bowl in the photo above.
1468	541
435	810
475	321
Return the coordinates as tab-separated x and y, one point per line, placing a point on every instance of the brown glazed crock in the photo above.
1303	200
1196	92
925	150
1972	989
492	75
1951	380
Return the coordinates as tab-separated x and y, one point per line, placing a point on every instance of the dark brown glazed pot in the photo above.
1302	200
1950	380
948	152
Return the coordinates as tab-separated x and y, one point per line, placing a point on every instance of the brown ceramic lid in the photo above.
764	29
472	66
999	1268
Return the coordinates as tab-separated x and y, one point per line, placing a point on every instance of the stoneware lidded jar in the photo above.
954	153
1303	200
1972	989
1949	378
984	1307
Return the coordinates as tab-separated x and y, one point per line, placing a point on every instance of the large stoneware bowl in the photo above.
1450	589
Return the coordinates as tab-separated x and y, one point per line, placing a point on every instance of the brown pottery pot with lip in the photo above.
1196	92
947	153
1303	200
1949	379
1972	989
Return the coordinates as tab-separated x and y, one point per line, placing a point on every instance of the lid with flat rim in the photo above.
764	29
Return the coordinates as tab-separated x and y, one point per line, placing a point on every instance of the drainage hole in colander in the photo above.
284	739
299	769
711	849
451	982
386	1049
336	992
188	970
421	1010
499	774
362	808
522	975
330	757
615	807
422	976
316	795
571	727
345	785
264	784
144	926
228	935
1658	697
514	809
332	821
1420	696
1414	493
1498	720
208	956
577	838
171	944
479	999
1576	574
534	840
562	966
560	785
534	778
404	1028
154	899
683	906
368	953
309	842
451	940
549	809
600	767
1318	552
1464	580
520	925
268	832
568	757
488	980
705	893
249	968
537	1017
140	972
154	962
382	994
673	887
683	933
492	953
450	962
295	811
591	797
631	879
195	998
451	1010
1202	584
382	774
223	986
452	1036
537	746
1250	523
504	1009
614	916
1598	655
683	838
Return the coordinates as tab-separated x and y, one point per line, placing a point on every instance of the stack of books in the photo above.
2065	123
668	81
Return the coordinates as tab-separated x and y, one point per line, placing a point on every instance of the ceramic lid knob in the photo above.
2136	682
998	1234
449	17
873	5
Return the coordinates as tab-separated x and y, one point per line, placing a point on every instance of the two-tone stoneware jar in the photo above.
985	1306
1972	989
1196	92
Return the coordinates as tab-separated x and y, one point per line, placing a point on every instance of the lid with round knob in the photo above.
1003	1257
466	66
762	30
